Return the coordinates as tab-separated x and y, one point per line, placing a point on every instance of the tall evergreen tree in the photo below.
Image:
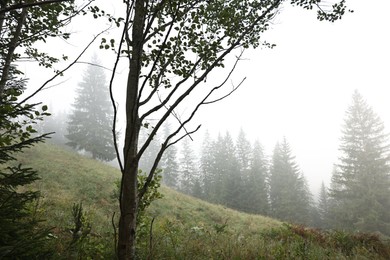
361	182
188	170
256	190
21	29
206	166
289	195
21	236
244	155
231	179
323	207
147	160
169	163
89	126
243	151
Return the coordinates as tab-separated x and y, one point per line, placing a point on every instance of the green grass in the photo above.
184	227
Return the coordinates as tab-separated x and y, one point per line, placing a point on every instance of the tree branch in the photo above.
26	5
114	105
62	71
11	50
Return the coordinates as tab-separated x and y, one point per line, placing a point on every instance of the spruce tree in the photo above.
243	151
188	170
89	127
360	190
231	179
147	160
206	166
169	163
21	236
323	207
256	189
289	195
244	155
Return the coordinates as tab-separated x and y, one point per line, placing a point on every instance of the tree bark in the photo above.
129	193
11	50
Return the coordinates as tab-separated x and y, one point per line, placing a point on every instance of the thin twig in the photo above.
115	235
25	5
62	71
150	255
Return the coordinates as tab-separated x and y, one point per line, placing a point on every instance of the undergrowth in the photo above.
78	198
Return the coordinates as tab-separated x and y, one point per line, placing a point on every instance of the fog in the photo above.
299	90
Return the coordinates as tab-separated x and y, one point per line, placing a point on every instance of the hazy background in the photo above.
300	89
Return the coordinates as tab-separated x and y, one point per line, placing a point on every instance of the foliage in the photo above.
169	163
22	28
143	219
184	227
256	188
323	207
187	171
89	126
360	191
289	195
147	160
299	242
20	234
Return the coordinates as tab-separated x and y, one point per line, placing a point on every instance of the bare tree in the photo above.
171	47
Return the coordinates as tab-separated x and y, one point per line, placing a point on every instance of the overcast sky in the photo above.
301	88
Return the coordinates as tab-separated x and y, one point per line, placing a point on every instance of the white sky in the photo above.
300	89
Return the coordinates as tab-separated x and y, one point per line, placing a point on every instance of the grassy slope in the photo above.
185	228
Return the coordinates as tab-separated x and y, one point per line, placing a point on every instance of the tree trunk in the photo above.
4	77
129	193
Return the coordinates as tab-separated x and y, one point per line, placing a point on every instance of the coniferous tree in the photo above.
217	171
323	207
169	164
147	160
231	179
289	195
89	126
360	190
188	171
256	185
243	154
21	233
21	237
206	166
243	151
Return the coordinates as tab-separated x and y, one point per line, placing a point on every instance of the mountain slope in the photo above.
183	227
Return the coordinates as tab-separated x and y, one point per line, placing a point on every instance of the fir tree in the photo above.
188	171
206	166
21	237
256	185
361	182
243	151
147	160
231	179
323	207
89	126
169	163
289	195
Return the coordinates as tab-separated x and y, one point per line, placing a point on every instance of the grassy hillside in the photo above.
183	227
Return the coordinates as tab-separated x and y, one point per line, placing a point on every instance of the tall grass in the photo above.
177	226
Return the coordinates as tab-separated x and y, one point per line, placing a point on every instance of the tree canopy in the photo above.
360	190
89	126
